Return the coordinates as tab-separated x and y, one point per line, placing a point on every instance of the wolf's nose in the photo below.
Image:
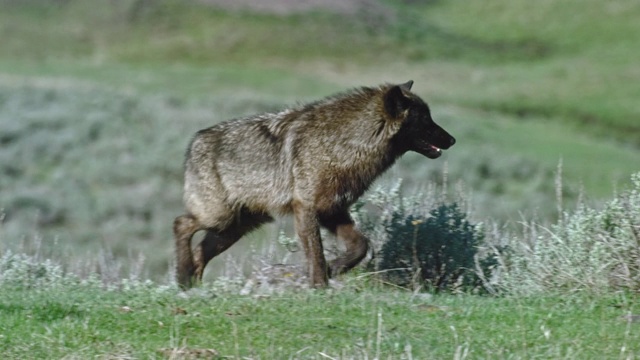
452	141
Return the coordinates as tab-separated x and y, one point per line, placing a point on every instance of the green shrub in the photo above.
437	251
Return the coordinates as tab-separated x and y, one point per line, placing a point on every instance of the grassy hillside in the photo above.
573	60
98	101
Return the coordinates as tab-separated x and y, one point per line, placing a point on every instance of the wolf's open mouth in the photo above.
433	151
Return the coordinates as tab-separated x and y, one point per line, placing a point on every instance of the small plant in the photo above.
437	251
26	272
594	250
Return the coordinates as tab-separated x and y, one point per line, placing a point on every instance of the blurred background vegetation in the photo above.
98	100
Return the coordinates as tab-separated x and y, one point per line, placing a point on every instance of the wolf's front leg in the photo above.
342	226
308	230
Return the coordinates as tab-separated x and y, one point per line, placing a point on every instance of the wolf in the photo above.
313	161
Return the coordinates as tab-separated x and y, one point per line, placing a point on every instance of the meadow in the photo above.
99	100
148	321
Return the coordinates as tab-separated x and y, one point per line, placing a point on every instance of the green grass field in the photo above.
98	101
360	321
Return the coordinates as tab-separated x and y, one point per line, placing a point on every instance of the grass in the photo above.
147	321
590	59
97	104
572	60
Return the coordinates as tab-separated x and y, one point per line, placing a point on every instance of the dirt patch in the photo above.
287	7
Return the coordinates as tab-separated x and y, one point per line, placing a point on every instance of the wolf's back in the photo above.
245	161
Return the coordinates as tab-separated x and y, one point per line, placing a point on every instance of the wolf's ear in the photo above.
407	86
396	103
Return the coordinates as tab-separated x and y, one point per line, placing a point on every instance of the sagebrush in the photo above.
591	249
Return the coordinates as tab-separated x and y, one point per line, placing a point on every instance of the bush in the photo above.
589	250
25	272
437	251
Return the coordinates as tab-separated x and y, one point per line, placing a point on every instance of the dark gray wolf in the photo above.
312	161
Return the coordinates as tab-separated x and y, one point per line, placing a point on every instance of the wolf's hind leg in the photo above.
215	242
184	226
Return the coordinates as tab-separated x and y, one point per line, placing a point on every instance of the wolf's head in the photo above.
418	132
